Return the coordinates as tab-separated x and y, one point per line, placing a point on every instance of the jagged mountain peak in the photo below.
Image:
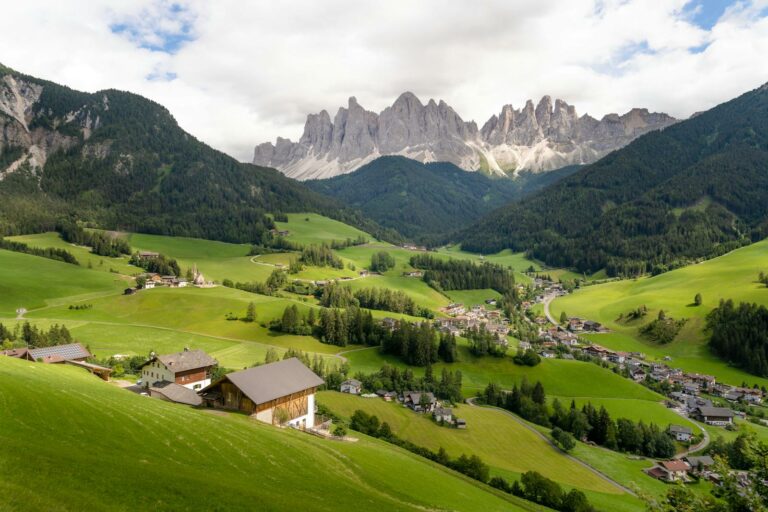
538	137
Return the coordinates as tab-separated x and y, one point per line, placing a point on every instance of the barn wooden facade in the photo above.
277	393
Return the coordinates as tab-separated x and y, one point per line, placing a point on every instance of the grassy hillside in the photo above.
732	276
34	282
417	199
503	444
124	452
83	254
309	228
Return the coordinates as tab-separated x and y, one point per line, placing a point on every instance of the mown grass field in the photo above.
565	379
34	282
505	445
311	228
83	254
502	444
69	441
732	276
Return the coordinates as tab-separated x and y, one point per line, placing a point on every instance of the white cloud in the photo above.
251	71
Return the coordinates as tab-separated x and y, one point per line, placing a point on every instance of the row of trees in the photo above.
739	334
100	243
50	253
390	378
482	342
386	299
540	489
320	256
382	261
588	423
33	336
418	345
450	274
160	264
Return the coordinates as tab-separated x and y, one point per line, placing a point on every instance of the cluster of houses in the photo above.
418	401
73	354
153	280
462	320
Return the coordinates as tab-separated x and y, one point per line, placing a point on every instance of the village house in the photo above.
443	415
413	273
637	373
148	255
716	416
58	353
190	368
460	423
454	309
575	324
419	402
276	393
73	354
699	464
388	396
680	433
670	470
351	386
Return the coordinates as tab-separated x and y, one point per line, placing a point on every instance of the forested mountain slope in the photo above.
121	161
426	200
697	188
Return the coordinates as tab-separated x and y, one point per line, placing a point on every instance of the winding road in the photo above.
471	402
547	301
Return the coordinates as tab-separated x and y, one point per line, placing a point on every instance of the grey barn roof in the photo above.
186	360
69	351
176	393
722	412
270	381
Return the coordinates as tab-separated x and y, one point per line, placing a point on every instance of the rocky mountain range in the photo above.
535	138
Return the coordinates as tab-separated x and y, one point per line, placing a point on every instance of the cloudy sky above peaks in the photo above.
236	73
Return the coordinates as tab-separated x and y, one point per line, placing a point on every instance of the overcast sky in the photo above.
237	73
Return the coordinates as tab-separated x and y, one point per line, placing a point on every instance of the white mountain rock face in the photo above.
18	102
538	139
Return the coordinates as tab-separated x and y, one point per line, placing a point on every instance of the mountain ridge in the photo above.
694	190
535	138
120	161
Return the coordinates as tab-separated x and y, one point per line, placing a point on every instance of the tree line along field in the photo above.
731	276
121	450
507	446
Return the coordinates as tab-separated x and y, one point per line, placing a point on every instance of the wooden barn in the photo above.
277	393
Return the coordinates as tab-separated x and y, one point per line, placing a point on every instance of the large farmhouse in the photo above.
190	368
277	393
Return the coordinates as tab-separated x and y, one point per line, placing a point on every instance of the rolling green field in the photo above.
561	378
34	282
123	451
311	228
732	276
502	444
473	297
83	254
505	445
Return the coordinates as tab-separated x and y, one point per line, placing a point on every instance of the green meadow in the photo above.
83	254
732	276
34	282
97	446
507	446
311	228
